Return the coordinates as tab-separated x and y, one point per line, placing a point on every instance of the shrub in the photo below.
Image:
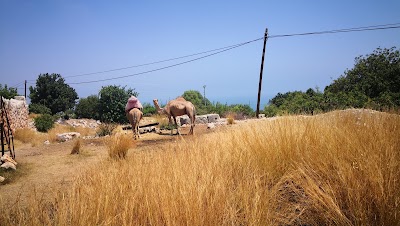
149	109
44	122
106	129
39	109
271	110
88	108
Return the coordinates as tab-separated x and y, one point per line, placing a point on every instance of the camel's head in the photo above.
155	101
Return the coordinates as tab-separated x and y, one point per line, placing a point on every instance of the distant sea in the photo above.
252	101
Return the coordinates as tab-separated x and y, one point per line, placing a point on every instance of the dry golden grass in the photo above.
25	135
118	145
341	168
230	118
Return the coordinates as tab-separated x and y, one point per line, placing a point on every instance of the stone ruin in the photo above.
17	112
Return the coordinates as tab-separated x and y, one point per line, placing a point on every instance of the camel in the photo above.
178	107
134	116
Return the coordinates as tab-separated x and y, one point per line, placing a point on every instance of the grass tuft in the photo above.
76	148
118	146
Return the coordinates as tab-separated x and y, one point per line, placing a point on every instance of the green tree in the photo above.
203	105
52	92
8	93
375	78
39	109
88	107
112	103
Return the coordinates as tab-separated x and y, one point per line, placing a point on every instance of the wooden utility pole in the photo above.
205	104
25	89
261	73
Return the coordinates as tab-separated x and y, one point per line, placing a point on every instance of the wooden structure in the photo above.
6	136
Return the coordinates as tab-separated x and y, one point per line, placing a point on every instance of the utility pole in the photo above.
204	96
25	90
261	72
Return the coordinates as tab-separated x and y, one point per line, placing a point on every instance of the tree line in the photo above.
373	83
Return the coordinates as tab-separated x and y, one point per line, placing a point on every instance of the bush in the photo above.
39	109
44	122
271	110
149	109
88	108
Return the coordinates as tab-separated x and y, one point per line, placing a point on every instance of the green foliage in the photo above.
373	82
296	102
39	109
242	109
106	129
271	110
149	109
8	93
112	103
52	91
88	108
203	105
44	122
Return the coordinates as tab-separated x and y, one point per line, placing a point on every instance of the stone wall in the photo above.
17	111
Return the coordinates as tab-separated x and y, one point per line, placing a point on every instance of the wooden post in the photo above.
1	126
261	73
25	90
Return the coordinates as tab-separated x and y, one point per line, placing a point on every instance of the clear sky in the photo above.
79	37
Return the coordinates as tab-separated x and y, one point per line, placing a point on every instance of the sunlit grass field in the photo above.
340	168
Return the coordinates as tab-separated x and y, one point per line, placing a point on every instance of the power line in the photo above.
227	48
224	49
156	62
170	66
367	28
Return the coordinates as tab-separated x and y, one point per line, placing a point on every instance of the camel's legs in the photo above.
177	127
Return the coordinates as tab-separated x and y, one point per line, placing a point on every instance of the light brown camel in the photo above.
134	116
178	107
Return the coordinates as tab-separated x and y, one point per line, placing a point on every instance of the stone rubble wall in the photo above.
17	111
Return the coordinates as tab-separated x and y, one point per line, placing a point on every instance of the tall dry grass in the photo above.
118	145
341	168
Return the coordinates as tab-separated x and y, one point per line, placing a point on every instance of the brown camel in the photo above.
134	116
176	108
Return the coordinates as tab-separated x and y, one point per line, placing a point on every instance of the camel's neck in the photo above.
158	108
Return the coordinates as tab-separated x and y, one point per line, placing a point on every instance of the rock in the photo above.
182	120
210	126
7	158
261	115
2	179
213	117
8	165
47	142
147	129
67	136
201	119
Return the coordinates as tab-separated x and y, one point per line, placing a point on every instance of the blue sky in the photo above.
79	37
